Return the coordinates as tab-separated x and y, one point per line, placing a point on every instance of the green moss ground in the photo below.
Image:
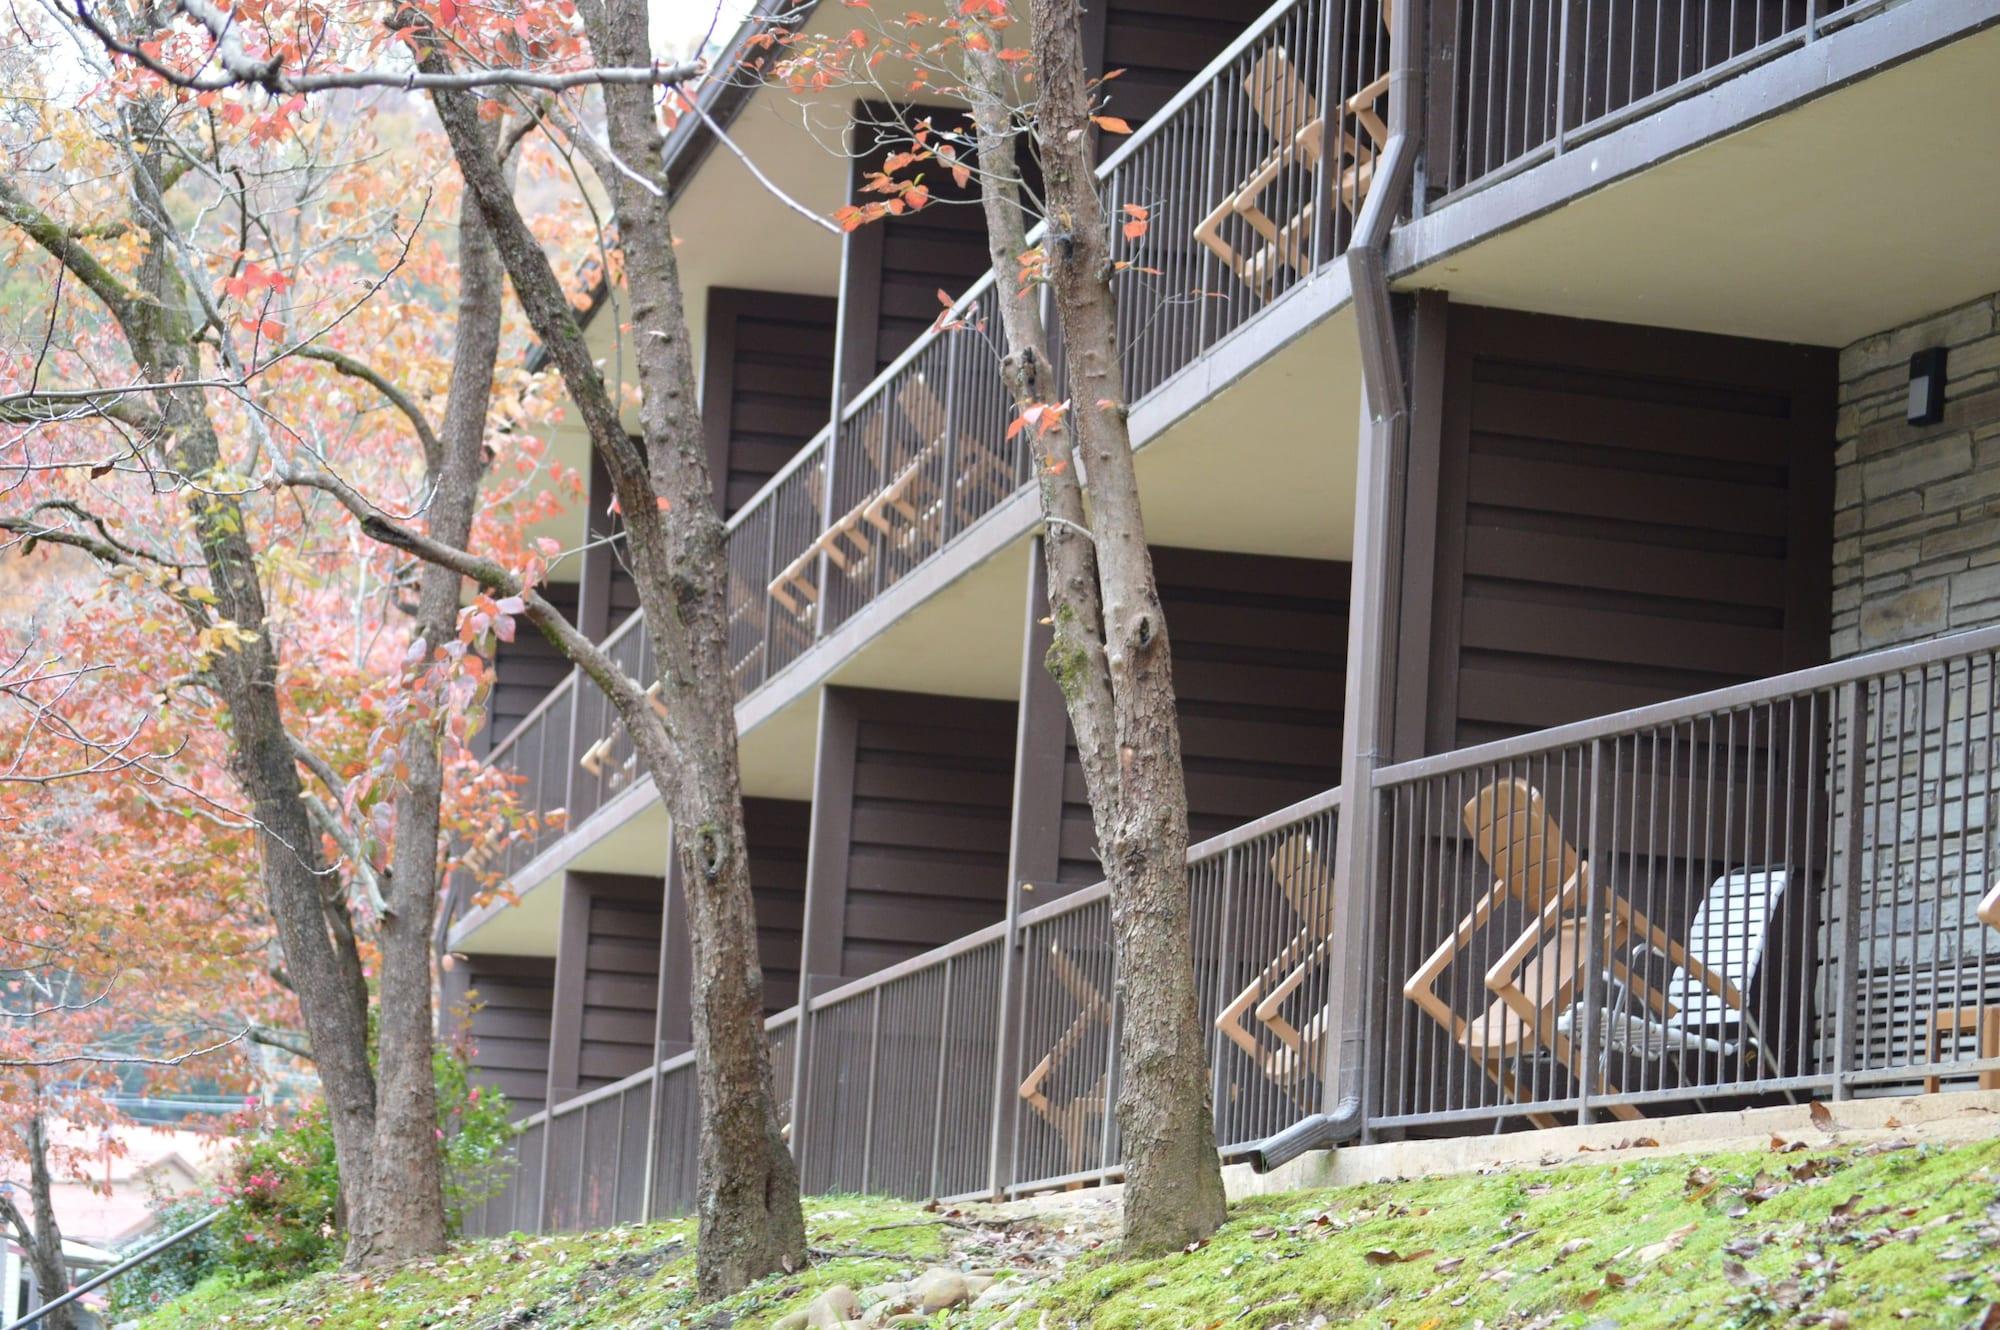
639	1276
1833	1236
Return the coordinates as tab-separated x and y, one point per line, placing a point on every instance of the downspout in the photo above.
1386	420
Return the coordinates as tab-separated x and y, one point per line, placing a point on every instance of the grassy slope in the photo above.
1833	1236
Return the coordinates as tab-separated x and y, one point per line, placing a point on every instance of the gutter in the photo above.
1386	408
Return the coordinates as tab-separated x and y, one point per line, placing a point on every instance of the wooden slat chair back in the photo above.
1077	1119
1536	978
1306	878
1286	109
913	492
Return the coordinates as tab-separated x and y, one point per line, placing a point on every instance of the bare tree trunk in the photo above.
1110	651
153	314
407	1182
750	1220
45	1254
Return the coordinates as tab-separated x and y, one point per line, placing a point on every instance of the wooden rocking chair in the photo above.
914	493
1535	979
1293	1064
1286	108
1077	1119
846	546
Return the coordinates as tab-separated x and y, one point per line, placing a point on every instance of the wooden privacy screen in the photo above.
1259	647
767	384
510	1027
1621	515
607	979
915	797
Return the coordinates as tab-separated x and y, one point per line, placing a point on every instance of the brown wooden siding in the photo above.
897	266
524	671
620	982
1623	515
511	997
1260	648
767	384
920	855
1161	45
776	832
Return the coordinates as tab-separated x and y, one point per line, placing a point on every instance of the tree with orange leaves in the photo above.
193	276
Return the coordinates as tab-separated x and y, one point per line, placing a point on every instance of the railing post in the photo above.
1562	79
823	566
1212	188
542	1173
874	1083
937	1109
1854	807
1006	1054
948	486
801	1074
762	581
571	752
1223	971
649	1185
1594	908
582	1162
618	1151
1113	1087
1326	208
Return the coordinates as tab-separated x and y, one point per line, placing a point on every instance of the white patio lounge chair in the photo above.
1705	1010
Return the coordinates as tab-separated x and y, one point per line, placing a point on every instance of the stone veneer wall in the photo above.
1917	553
1917	508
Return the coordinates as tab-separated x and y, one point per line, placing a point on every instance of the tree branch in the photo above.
355	369
124	1059
241	69
62	245
547	619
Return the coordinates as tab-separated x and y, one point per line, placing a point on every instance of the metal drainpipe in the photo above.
1386	410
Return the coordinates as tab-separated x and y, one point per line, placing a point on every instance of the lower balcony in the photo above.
1775	892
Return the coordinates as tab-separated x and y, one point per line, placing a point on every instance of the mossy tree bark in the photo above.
1110	651
751	1223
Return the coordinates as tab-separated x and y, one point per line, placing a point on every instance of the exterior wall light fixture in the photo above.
1926	403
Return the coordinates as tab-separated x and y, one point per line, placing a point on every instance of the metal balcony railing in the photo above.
1529	79
985	1064
1246	183
1773	892
1773	889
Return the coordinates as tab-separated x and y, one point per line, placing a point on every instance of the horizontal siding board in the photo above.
1618	566
1619	518
1608	635
1634	494
1610	423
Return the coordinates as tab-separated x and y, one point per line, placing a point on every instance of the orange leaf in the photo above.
1111	124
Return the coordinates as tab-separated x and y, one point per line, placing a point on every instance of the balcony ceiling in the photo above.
1856	212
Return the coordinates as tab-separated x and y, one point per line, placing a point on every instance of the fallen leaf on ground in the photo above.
1666	1246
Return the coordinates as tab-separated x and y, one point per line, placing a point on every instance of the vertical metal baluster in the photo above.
944	1044
1852	701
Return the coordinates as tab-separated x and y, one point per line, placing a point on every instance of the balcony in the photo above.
1768	893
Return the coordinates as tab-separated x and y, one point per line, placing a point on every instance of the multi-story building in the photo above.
1573	424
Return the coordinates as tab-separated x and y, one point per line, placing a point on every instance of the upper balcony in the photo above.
1251	176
